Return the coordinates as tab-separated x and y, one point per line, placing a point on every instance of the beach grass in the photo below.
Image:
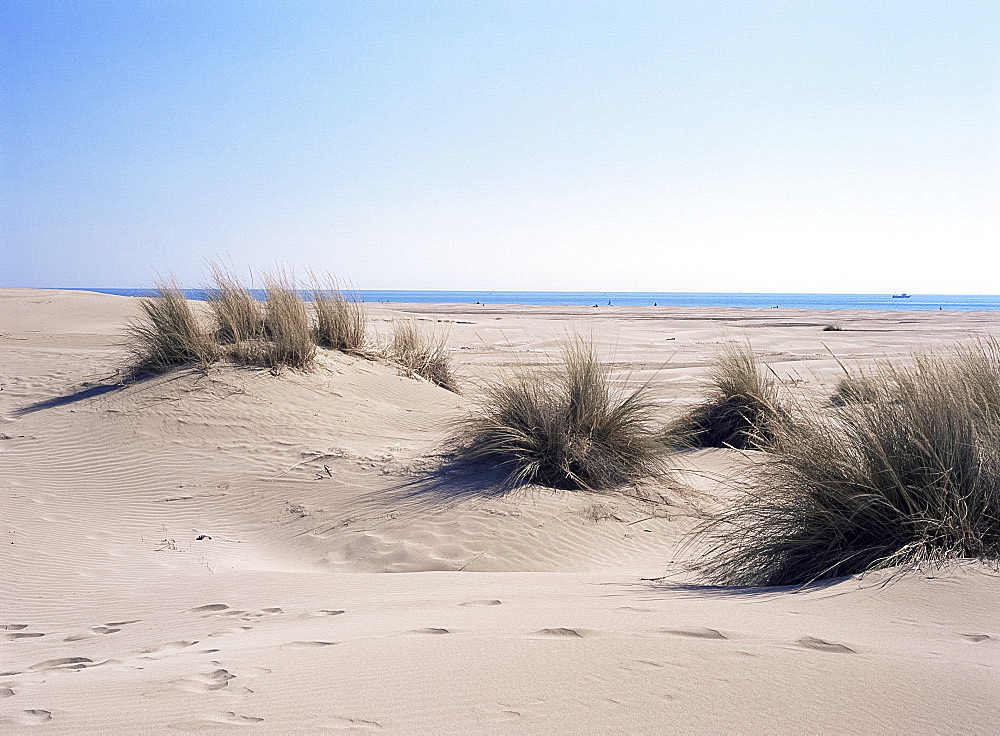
911	476
421	353
237	314
341	319
854	390
167	333
741	409
568	427
288	338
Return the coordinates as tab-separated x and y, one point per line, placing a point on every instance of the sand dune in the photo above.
209	552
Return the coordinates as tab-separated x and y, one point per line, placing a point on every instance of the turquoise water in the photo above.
917	302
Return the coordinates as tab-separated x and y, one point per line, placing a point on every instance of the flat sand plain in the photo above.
239	552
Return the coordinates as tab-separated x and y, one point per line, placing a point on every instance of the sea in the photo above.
913	302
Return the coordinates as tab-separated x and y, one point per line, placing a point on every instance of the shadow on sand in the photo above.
450	483
434	490
81	395
662	588
89	391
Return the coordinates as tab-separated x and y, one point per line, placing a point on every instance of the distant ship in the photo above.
901	296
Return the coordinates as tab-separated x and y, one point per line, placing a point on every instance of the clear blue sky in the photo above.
662	146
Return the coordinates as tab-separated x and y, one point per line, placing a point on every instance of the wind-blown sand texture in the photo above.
201	553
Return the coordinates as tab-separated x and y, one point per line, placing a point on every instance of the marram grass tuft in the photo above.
909	476
567	428
167	333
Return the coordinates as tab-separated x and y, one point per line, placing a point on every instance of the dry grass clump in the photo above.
980	366
911	476
238	315
741	409
572	429
167	333
274	334
341	320
288	340
854	390
422	354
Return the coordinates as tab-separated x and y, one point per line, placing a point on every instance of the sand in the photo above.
239	552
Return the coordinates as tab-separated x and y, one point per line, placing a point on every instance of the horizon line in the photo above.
98	289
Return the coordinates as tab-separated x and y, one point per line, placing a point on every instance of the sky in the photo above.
611	146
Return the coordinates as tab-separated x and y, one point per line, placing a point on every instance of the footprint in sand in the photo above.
62	663
272	611
316	644
34	717
560	632
6	691
112	627
88	634
323	612
810	642
230	631
22	635
238	720
695	632
209	608
354	724
976	638
203	682
170	646
483	602
430	630
13	627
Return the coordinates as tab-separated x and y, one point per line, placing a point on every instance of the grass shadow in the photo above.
429	491
83	394
451	482
658	589
87	391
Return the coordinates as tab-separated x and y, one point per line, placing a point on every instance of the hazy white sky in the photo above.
662	146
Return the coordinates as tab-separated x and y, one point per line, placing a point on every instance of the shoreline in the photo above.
670	300
664	310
